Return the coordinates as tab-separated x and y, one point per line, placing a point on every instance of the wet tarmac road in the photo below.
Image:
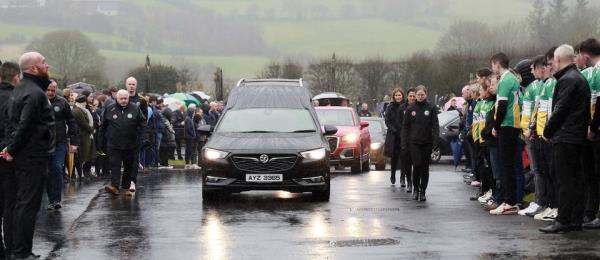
365	219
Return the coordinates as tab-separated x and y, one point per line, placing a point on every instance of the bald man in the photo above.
122	126
567	129
31	126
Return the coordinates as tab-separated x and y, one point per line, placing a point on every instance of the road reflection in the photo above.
214	238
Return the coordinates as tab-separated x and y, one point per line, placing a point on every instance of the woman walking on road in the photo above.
393	120
406	167
420	130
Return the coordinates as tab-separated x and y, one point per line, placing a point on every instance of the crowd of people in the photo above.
50	136
542	113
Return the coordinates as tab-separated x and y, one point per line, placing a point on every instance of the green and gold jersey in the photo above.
476	119
530	99
485	108
544	109
508	90
592	75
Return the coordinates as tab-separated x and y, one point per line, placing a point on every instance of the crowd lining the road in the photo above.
540	115
49	137
543	110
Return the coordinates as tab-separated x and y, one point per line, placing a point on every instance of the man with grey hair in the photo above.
122	124
567	129
31	143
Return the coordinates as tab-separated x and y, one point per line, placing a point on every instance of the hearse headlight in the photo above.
212	154
316	154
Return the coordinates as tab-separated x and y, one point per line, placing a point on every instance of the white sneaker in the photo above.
551	216
542	214
484	199
499	209
532	208
475	184
132	187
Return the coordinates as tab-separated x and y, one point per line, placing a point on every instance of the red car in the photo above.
350	145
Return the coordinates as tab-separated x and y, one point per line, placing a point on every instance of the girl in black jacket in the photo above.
420	130
393	120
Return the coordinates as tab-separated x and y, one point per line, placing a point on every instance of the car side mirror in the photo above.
205	129
330	130
364	124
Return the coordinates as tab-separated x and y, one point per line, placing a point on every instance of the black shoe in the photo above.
393	179
415	195
422	196
556	228
408	189
594	224
31	256
576	227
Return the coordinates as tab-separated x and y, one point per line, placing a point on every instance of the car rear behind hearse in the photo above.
268	138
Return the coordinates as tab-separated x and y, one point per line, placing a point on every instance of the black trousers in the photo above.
126	158
406	167
485	170
590	160
190	151
395	162
8	199
467	147
548	185
31	175
420	155
166	153
570	180
178	143
476	158
507	141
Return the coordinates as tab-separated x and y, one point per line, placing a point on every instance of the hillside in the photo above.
242	35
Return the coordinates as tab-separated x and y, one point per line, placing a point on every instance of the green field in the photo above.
349	38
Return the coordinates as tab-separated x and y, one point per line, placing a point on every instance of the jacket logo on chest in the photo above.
115	116
56	109
426	112
130	116
413	113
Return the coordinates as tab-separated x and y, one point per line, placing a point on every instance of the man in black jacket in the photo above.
420	130
10	75
567	129
31	142
122	126
66	132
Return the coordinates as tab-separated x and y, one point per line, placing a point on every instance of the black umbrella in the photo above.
81	87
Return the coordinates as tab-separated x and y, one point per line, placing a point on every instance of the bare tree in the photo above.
72	56
372	73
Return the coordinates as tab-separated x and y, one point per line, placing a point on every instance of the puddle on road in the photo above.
405	229
517	255
365	242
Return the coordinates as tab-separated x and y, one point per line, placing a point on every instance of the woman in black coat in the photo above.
393	120
420	130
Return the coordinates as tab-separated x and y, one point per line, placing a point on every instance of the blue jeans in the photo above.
497	191
56	167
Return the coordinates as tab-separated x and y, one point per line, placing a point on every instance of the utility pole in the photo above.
147	89
219	84
333	85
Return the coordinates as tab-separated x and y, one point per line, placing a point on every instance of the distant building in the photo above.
6	4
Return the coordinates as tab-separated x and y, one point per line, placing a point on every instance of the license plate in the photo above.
264	177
